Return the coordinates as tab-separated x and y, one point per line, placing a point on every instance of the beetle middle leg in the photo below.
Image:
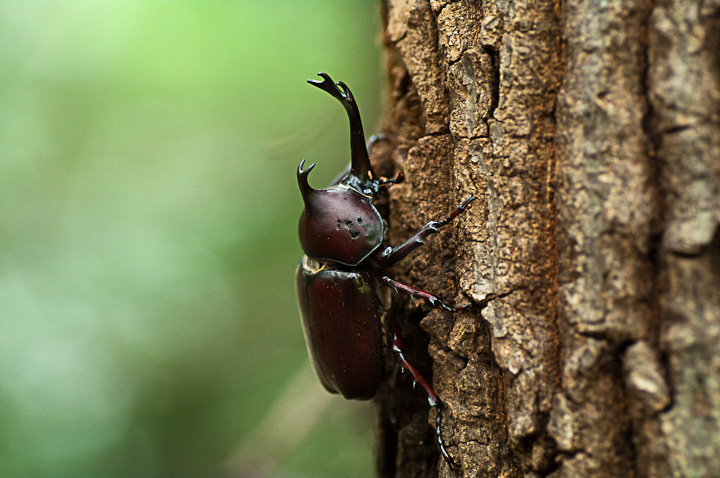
434	300
392	255
432	397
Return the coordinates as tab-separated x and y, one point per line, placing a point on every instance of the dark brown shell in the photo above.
339	224
341	316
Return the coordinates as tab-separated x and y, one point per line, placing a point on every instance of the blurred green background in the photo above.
148	218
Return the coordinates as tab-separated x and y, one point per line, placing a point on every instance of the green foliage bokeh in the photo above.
148	215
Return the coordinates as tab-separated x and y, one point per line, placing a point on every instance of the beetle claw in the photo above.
438	435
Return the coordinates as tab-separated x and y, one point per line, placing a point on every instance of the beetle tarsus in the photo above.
438	437
389	257
389	182
444	306
432	397
458	210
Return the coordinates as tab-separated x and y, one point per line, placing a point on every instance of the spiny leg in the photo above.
434	300
391	256
432	397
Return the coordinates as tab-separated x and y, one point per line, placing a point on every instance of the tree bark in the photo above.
590	132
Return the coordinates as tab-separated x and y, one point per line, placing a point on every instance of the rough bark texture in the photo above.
590	132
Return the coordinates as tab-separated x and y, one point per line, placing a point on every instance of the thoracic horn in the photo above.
305	188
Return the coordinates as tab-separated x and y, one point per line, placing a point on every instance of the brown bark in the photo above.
590	132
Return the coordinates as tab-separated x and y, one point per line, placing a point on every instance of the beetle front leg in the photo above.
391	256
432	397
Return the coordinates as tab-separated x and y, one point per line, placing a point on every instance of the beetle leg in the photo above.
432	397
340	177
389	182
390	256
376	138
434	300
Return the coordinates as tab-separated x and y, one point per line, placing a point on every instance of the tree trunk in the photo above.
590	132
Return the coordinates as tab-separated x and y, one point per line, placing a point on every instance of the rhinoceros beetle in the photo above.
347	261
